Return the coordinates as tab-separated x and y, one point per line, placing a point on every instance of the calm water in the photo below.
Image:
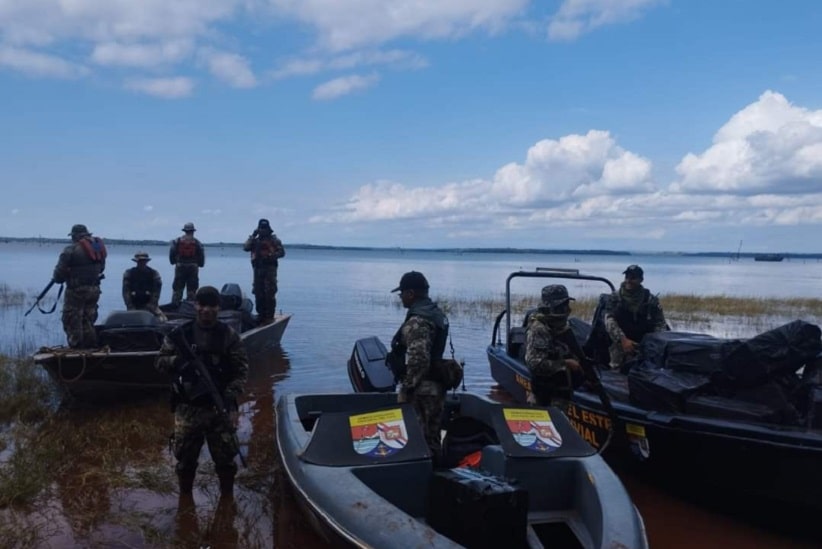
337	297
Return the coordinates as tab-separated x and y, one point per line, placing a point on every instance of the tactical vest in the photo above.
209	346
264	252
634	325
141	284
85	267
427	309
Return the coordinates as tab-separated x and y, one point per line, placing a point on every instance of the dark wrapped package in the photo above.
662	390
783	349
686	352
476	509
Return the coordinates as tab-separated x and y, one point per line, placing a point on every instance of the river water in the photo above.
338	296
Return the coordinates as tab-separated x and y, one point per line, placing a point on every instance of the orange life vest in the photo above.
94	248
186	248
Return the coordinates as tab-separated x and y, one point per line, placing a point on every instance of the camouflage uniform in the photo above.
187	255
195	418
141	289
81	273
423	341
266	249
545	356
631	314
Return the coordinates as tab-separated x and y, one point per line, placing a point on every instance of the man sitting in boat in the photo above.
554	364
142	286
419	343
196	417
630	313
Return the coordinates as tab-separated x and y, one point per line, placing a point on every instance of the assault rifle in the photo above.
179	339
42	295
589	368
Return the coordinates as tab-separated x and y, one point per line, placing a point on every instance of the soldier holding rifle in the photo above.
209	366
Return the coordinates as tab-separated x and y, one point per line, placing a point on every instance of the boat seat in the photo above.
130	319
516	343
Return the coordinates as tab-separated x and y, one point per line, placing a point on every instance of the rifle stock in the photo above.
41	296
590	370
178	338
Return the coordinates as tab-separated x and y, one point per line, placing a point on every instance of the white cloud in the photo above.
345	25
577	17
343	86
166	88
770	145
395	59
141	54
39	64
148	208
589	183
231	68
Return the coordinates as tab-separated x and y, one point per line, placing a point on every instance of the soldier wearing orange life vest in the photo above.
81	267
266	249
187	255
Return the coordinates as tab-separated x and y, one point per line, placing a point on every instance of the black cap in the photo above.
263	225
412	281
555	294
208	295
634	271
78	229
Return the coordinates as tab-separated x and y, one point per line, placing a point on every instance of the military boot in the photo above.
186	479
226	483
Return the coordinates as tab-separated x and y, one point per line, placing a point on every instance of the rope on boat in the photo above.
60	352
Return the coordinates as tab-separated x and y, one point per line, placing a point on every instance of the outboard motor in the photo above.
231	297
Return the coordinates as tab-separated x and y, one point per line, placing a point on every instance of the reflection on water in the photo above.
130	499
114	484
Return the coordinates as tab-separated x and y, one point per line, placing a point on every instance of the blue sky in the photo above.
643	125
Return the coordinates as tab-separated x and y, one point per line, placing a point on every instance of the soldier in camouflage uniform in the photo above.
550	352
266	250
81	267
188	256
142	286
630	313
195	416
419	341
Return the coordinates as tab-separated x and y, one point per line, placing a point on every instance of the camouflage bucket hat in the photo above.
189	227
140	256
78	229
555	294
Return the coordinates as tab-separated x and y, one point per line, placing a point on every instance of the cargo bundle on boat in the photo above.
744	416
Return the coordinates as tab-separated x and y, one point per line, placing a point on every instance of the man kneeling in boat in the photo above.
197	417
630	313
142	286
550	353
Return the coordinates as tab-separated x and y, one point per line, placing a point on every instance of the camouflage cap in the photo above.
208	295
412	280
141	256
263	225
189	227
555	294
634	271
78	229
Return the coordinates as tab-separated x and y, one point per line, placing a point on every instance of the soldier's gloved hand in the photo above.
403	395
628	345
